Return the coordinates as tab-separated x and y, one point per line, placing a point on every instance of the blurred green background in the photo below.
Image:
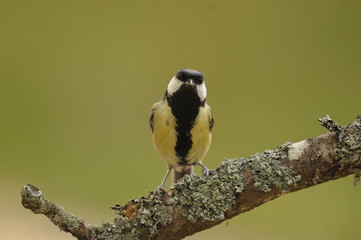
78	80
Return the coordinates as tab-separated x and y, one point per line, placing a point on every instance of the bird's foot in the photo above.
205	171
162	185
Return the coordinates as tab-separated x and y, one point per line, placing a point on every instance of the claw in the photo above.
159	189
205	172
162	185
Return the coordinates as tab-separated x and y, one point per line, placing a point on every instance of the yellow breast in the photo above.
201	136
165	134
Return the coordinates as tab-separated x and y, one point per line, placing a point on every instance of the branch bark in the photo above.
236	186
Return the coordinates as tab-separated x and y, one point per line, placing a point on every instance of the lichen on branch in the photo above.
196	203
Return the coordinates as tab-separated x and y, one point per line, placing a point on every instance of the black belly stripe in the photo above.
185	105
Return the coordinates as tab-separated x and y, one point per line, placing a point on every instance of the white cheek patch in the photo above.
202	91
173	86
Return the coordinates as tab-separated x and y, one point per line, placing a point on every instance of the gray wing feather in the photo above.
151	119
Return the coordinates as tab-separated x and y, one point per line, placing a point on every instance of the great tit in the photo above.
181	123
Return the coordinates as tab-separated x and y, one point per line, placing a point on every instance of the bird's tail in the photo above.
179	172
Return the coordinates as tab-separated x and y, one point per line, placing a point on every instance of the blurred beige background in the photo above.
78	79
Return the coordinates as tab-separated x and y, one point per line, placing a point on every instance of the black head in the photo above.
186	75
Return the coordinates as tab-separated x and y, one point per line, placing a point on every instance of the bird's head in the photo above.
188	80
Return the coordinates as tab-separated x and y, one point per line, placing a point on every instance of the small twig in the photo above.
31	198
331	125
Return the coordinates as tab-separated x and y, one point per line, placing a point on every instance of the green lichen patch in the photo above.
268	171
152	212
208	198
57	217
349	149
122	228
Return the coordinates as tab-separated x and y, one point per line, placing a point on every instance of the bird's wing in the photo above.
154	108
151	118
211	120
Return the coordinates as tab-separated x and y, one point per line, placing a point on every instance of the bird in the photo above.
181	124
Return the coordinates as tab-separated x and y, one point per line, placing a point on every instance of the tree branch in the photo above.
237	185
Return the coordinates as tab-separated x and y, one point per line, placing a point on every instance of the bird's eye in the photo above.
182	77
198	81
